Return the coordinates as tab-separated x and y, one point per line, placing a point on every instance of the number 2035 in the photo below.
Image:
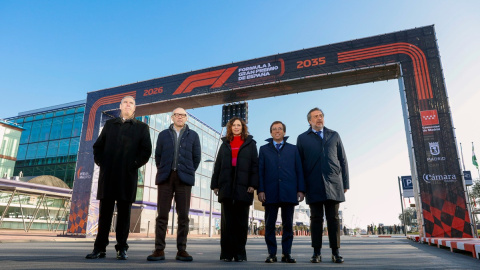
311	62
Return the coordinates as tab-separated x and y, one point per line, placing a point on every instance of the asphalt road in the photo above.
359	253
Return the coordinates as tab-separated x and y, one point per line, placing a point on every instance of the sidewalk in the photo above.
20	236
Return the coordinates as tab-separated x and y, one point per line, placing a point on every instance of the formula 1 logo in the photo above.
214	78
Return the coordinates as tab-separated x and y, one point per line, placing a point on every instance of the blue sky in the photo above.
54	52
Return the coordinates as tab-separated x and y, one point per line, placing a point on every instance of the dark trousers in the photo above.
105	222
333	223
166	191
234	230
271	213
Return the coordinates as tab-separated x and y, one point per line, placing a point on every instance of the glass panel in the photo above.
63	147
70	111
73	150
52	148
22	151
28	118
32	151
42	150
56	128
67	127
81	109
49	115
45	132
35	133
77	126
59	113
26	133
38	117
19	120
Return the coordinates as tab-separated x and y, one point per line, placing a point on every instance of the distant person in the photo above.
177	157
281	186
121	149
235	177
326	177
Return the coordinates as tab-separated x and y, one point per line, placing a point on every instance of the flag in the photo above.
474	158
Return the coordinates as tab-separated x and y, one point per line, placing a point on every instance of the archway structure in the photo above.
411	56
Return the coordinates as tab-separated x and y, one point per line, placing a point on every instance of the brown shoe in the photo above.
184	256
157	255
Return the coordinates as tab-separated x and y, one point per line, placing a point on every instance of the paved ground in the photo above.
360	253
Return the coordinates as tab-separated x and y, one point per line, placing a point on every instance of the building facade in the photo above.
9	140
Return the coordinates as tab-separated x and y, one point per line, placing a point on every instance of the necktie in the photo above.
319	133
278	146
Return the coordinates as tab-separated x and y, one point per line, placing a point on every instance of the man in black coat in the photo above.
325	170
121	149
177	157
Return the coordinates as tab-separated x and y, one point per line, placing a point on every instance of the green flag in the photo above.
474	158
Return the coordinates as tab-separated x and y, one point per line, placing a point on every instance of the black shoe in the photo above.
122	254
271	258
157	255
239	258
337	258
316	258
184	256
96	255
227	260
288	258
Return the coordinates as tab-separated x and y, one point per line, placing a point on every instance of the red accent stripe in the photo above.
282	64
421	74
97	104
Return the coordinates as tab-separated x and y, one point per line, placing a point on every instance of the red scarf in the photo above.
235	144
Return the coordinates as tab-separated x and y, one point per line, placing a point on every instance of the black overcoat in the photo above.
120	150
325	166
246	172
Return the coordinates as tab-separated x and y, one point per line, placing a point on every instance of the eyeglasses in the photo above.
275	129
182	115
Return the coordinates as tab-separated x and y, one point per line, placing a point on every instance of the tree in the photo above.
475	191
410	216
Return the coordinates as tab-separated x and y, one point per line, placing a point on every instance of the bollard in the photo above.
148	227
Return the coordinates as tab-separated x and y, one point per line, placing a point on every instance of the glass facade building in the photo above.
49	144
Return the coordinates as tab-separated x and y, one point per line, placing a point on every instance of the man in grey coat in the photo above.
325	170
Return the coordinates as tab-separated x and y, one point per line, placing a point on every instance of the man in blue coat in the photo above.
177	157
326	177
281	186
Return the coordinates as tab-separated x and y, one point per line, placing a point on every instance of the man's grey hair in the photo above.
177	109
127	97
309	115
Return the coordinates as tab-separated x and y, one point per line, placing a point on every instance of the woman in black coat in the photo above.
234	180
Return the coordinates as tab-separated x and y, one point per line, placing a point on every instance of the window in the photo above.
35	133
77	125
32	151
45	131
52	148
67	127
41	150
63	147
73	149
56	128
